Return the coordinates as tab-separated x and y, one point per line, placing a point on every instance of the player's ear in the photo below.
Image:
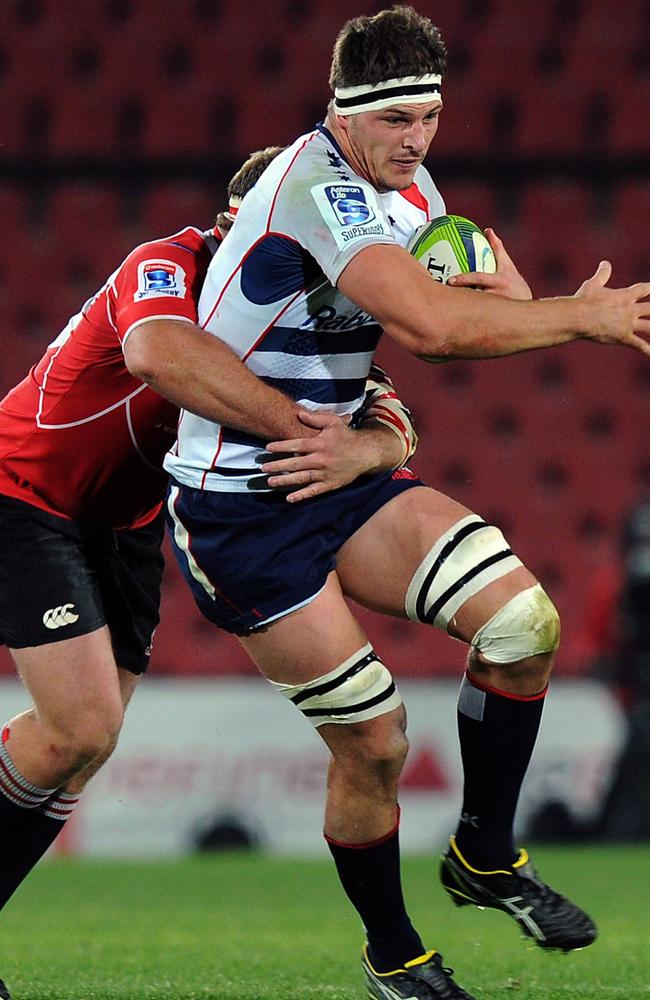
343	122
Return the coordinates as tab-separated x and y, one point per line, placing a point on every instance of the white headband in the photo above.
233	206
375	96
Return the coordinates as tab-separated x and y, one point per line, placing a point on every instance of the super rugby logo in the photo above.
350	211
158	278
349	204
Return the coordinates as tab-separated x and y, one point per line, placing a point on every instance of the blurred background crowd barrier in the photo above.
122	120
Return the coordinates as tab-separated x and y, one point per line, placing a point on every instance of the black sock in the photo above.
31	818
370	875
38	831
18	796
497	734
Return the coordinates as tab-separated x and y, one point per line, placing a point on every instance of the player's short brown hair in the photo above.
246	177
392	44
250	172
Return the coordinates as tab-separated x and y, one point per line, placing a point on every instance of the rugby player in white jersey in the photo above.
314	267
82	439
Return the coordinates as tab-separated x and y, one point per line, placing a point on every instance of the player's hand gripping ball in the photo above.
451	245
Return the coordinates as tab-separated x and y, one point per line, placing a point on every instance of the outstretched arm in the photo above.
438	323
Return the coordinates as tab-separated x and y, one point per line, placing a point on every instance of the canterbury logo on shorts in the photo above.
57	617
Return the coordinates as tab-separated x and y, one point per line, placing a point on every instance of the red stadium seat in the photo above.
552	122
465	123
629	228
629	131
168	207
86	221
632	208
602	44
473	200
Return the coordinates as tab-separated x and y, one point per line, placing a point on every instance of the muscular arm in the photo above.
384	440
436	322
198	372
336	456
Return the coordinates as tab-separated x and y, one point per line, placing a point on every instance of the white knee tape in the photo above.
359	689
527	625
465	559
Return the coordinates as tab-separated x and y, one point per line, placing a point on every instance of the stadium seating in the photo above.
168	207
124	120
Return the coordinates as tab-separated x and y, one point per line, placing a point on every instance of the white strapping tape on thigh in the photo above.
359	689
465	559
527	625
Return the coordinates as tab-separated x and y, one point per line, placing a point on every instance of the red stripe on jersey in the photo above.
308	139
415	197
246	356
214	460
389	417
262	237
264	332
223	291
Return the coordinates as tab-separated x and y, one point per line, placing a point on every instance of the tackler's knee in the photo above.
527	625
359	689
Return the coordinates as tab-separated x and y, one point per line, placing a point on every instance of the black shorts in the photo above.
60	579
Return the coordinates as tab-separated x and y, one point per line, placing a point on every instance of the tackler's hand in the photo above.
317	465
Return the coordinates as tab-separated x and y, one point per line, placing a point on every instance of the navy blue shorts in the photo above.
251	558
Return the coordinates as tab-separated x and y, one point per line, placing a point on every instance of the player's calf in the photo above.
51	751
358	712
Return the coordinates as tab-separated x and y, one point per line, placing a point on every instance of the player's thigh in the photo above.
378	563
127	682
308	642
322	661
75	683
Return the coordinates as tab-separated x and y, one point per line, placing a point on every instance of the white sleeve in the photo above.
333	220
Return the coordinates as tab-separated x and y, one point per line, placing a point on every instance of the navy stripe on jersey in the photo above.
276	267
241	437
319	339
225	470
319	390
330	138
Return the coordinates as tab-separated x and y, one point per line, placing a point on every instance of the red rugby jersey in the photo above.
80	436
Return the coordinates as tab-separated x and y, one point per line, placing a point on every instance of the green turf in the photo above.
247	927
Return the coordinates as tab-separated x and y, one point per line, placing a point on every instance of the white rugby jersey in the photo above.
270	293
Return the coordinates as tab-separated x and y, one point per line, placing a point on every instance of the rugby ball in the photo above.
451	245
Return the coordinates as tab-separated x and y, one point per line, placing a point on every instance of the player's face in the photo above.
391	144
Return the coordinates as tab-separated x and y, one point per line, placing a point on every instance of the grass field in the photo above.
248	927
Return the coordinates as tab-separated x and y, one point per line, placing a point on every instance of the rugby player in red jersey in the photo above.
82	439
